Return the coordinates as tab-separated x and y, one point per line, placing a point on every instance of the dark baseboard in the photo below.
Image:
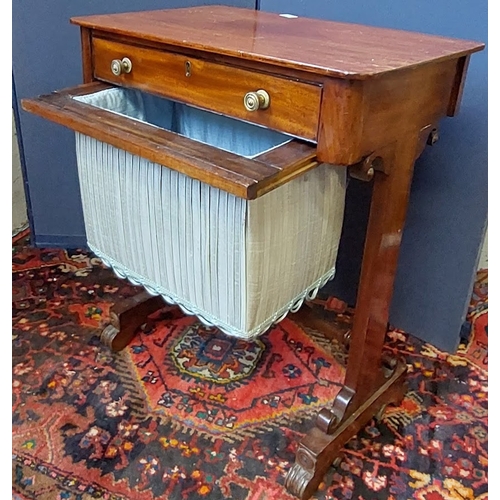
59	241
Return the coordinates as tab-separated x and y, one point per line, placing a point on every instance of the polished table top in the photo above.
323	47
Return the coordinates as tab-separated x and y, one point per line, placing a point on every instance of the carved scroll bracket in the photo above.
428	136
377	161
126	317
365	169
329	419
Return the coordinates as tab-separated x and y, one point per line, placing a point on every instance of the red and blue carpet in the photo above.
187	413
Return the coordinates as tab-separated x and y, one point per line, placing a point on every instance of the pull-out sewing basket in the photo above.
239	264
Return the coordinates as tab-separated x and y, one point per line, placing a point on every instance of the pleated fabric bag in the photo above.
241	265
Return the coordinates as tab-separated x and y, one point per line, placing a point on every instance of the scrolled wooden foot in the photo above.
108	334
319	450
302	479
126	317
310	467
297	480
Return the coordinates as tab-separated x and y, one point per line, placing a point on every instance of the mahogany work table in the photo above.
364	98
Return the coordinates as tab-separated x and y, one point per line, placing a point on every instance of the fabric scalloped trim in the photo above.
205	317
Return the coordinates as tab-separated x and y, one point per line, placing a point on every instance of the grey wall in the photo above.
448	206
19	213
46	57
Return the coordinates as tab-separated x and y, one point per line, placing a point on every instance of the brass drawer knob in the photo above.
118	67
256	100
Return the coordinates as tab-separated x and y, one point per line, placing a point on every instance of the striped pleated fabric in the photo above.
237	264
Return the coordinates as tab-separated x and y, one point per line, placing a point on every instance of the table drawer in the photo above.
293	106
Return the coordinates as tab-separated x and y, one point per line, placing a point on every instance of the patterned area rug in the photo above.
187	413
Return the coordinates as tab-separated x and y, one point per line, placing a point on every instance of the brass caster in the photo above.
380	414
338	460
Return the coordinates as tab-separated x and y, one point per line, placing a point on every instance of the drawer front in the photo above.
293	106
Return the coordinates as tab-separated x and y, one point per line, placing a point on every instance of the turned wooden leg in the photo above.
372	379
126	317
